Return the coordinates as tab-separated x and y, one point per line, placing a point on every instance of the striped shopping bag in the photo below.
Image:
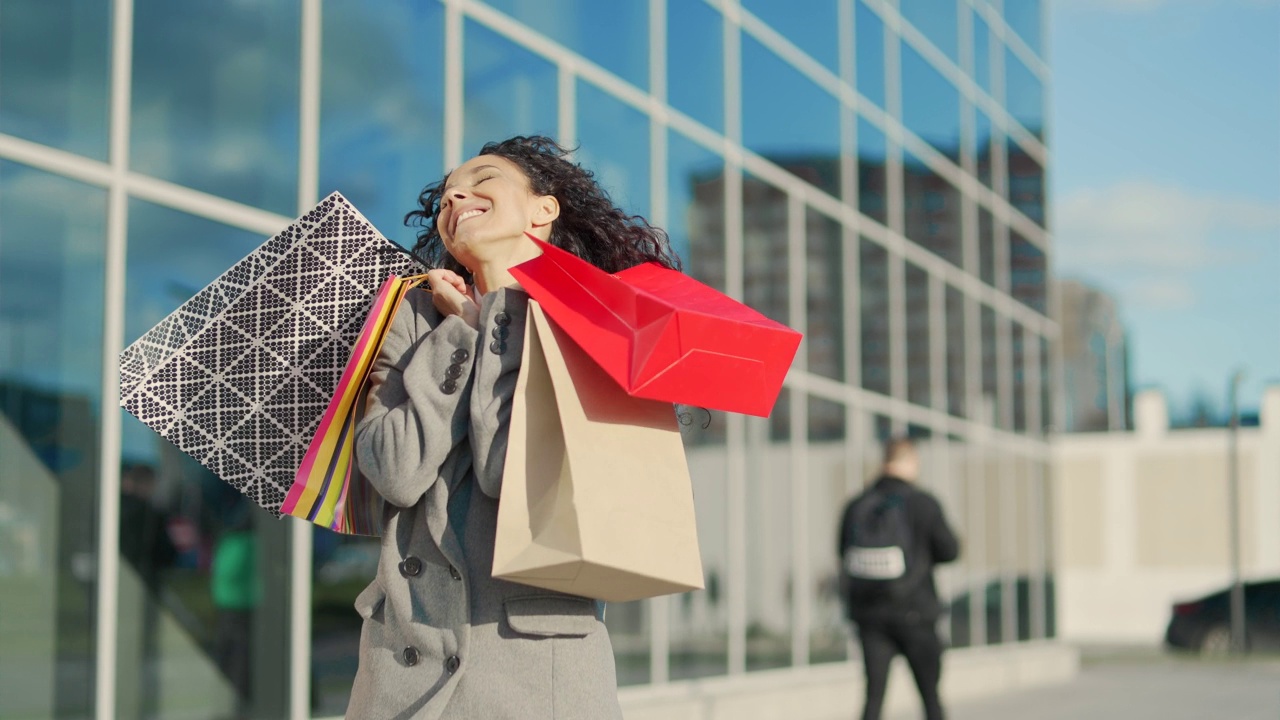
328	490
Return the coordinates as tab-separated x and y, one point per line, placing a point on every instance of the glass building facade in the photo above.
870	172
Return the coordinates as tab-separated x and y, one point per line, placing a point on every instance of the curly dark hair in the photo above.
589	226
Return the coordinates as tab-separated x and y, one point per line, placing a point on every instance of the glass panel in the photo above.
788	119
990	392
919	390
932	207
695	61
930	104
764	248
954	577
825	307
204	577
873	158
508	90
1047	515
986	246
1024	94
868	48
621	168
215	98
1019	379
829	481
695	204
700	620
874	292
984	148
54	72
769	562
614	35
1026	183
628	624
995	545
380	141
815	31
956	358
1024	17
939	22
1046	387
1023	547
981	53
51	265
1027	272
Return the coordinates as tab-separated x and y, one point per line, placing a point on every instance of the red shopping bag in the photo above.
663	335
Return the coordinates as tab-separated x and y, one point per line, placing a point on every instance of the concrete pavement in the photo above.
1137	685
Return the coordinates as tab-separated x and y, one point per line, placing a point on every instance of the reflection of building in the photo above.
839	197
1095	365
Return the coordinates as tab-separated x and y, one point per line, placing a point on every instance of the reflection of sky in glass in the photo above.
981	53
789	119
1024	17
813	27
613	34
983	145
54	73
695	206
1024	95
380	141
930	104
695	62
215	98
868	49
937	20
51	260
171	257
507	90
613	141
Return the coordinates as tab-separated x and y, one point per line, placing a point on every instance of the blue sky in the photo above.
1166	181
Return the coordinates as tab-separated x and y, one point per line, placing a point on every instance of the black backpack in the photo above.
877	561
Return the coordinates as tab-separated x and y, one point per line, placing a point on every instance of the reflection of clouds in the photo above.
1158	235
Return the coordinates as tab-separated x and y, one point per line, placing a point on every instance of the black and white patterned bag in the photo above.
239	376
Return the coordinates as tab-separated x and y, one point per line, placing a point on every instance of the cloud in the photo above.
1156	237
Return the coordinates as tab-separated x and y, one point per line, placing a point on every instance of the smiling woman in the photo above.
442	637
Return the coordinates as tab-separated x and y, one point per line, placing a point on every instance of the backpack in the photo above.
878	553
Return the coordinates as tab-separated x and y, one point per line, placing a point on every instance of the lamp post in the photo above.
1233	515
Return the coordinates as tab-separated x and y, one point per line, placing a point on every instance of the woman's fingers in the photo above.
450	296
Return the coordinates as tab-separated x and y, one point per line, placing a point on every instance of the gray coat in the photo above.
441	637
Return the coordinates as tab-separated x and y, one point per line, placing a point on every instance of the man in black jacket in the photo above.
891	536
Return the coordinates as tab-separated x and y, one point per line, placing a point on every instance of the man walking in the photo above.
891	536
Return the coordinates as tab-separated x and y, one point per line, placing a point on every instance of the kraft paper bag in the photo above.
596	497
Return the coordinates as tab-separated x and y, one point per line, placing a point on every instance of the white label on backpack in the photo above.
886	563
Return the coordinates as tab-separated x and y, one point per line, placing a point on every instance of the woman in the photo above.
442	638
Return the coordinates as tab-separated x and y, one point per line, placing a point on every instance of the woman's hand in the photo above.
452	296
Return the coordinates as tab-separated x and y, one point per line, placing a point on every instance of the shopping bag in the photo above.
239	376
596	497
328	490
663	335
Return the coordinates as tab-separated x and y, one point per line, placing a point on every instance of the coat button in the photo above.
453	572
460	355
502	319
411	567
501	332
452	664
498	347
410	655
449	387
453	372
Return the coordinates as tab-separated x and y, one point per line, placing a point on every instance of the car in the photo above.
1203	625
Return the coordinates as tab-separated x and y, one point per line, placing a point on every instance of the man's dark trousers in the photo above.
918	642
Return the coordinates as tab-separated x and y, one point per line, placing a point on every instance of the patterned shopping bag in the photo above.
240	376
327	489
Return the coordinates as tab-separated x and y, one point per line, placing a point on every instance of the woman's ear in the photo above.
546	210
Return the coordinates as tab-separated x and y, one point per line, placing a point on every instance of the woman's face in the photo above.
487	203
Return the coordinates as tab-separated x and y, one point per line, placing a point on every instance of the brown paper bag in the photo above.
596	497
